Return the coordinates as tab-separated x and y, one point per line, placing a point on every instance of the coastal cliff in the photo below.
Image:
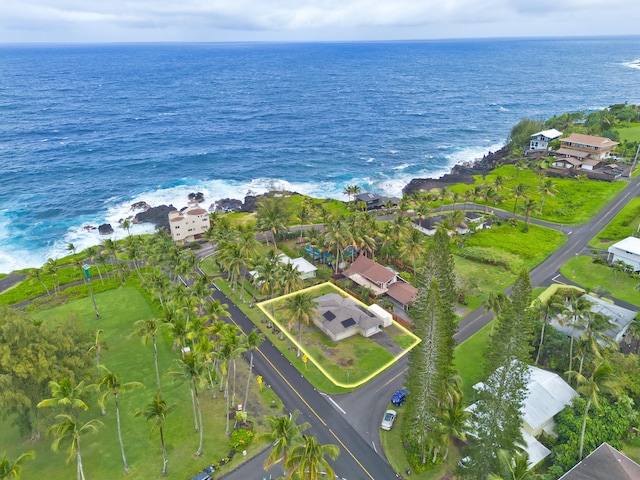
461	173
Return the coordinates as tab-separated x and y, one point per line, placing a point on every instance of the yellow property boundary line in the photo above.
263	306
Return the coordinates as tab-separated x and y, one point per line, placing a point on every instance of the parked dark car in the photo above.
399	397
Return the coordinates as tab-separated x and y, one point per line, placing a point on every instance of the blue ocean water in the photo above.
85	131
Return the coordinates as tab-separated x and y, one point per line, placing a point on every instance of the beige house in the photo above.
580	146
188	224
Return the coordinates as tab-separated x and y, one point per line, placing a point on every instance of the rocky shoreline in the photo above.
461	173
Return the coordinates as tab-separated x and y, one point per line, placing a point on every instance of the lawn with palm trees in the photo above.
125	360
345	364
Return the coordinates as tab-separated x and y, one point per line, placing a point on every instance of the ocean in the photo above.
88	130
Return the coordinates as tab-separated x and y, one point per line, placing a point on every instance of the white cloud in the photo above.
211	20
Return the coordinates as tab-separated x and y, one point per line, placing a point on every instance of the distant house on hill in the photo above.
307	269
428	225
374	201
604	463
578	145
627	251
188	224
540	141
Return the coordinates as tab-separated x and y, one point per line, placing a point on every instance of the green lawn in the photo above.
584	272
531	247
469	360
134	362
575	201
631	134
624	225
481	279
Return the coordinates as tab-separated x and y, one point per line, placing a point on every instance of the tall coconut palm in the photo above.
38	274
593	326
51	268
191	368
544	311
528	206
282	433
515	466
68	430
307	459
157	411
290	278
518	192
97	347
336	238
252	342
413	246
10	469
114	386
600	380
546	188
231	347
300	309
572	314
148	330
488	194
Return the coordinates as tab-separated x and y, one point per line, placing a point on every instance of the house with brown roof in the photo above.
381	280
578	145
604	463
188	224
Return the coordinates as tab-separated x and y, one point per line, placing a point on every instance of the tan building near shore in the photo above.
188	225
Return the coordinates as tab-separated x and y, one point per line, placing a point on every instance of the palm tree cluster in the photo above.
302	456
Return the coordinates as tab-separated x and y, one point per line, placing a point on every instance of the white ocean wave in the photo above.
633	64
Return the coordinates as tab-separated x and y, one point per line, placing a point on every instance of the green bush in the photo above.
492	256
241	439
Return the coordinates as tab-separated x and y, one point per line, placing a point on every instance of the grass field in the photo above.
589	275
575	202
631	134
624	225
134	362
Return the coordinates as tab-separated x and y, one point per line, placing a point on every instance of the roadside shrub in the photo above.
241	439
492	256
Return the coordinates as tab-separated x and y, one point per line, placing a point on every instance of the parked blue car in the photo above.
399	397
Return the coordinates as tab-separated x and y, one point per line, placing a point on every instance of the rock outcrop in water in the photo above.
159	216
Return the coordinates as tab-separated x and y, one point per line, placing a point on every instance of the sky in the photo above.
97	21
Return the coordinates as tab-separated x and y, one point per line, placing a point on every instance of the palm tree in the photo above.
307	459
111	381
336	237
67	429
518	192
454	424
51	268
515	466
300	308
68	395
634	329
282	433
572	314
38	273
600	379
529	205
191	369
11	469
97	348
252	342
231	347
304	215
593	326
351	190
489	194
544	311
157	411
546	187
148	329
413	246
290	278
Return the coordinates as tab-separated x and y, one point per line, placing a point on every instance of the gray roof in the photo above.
335	313
619	318
604	463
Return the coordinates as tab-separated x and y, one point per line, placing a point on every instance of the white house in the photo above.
188	224
307	269
547	395
540	141
627	250
619	319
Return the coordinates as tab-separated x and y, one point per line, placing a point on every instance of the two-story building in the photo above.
188	224
540	141
580	146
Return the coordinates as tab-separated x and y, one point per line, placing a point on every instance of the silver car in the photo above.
388	419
